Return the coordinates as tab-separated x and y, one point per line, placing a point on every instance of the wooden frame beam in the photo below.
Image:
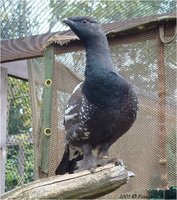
32	47
23	48
17	68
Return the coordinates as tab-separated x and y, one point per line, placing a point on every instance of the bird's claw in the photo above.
118	162
86	164
105	161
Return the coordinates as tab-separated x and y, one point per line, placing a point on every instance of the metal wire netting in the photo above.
19	145
136	61
25	18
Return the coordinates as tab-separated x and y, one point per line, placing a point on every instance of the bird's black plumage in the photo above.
101	109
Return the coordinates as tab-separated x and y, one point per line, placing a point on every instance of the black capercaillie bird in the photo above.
101	109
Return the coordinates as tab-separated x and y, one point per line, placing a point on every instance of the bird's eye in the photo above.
84	21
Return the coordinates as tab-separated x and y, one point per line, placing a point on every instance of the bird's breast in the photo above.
110	123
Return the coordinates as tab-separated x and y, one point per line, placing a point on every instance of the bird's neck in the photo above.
101	79
98	53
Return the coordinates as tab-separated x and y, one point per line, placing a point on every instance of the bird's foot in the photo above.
88	163
118	162
104	161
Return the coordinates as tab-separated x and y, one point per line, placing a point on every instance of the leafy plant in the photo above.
163	194
20	152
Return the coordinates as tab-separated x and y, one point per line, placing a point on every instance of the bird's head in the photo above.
84	27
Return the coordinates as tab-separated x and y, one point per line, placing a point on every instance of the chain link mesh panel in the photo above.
36	79
25	18
136	59
20	151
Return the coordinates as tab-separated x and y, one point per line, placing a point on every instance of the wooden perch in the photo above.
83	185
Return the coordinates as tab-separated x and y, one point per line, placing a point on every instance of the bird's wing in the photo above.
71	117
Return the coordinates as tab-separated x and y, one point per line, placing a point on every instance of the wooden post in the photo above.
46	123
161	113
3	125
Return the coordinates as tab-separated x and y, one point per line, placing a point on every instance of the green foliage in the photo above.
19	164
163	194
27	146
21	18
20	152
171	154
108	11
12	175
20	114
16	21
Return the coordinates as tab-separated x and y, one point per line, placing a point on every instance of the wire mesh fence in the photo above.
19	145
136	60
25	18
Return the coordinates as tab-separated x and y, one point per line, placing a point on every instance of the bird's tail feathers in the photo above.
68	162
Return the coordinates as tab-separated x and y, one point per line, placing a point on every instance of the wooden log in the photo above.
83	185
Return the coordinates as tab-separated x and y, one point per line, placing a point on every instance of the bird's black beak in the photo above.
72	24
68	21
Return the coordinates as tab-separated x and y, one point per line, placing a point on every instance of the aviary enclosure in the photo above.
39	72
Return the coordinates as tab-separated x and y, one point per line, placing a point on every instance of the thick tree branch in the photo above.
74	186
